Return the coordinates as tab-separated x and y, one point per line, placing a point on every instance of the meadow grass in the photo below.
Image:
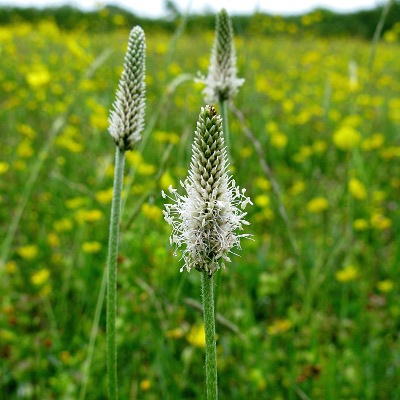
319	322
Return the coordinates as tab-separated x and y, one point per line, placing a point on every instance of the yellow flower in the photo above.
196	336
279	326
262	200
360	224
38	76
166	180
4	167
11	267
279	140
104	196
380	222
91	247
28	252
88	215
145	384
346	138
385	286
319	146
166	137
53	240
317	205
146	169
152	212
62	225
357	189
262	183
297	188
76	202
347	274
246	152
374	142
40	277
24	149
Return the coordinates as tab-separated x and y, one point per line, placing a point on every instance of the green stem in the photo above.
225	126
207	285
112	274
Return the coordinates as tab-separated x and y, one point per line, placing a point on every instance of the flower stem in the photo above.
207	284
112	274
225	126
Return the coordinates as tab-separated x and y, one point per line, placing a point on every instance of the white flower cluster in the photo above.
222	82
205	220
127	118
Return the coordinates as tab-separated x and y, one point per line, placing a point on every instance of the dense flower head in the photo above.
127	118
222	82
205	219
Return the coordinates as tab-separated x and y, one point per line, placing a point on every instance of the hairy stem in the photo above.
225	126
207	284
112	274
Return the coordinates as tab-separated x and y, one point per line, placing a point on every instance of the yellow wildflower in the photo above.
40	277
76	202
146	169
279	326
62	225
28	252
360	224
91	247
279	140
385	286
11	267
357	189
245	152
346	138
196	336
262	200
297	188
317	205
145	384
319	146
166	180
166	137
4	167
104	196
152	212
24	149
53	240
347	274
88	215
380	222
38	76
262	183
374	142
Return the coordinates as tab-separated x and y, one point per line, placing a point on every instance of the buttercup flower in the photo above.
127	118
204	220
222	82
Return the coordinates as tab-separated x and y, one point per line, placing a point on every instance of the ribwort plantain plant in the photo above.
222	83
205	221
126	126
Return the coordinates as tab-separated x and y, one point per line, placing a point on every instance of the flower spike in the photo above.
204	220
222	82
127	118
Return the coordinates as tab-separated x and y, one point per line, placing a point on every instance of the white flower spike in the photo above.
127	118
205	219
222	82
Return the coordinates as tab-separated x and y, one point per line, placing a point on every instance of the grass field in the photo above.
310	309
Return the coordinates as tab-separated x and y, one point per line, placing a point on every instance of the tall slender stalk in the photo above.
225	125
112	274
126	126
205	221
207	286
